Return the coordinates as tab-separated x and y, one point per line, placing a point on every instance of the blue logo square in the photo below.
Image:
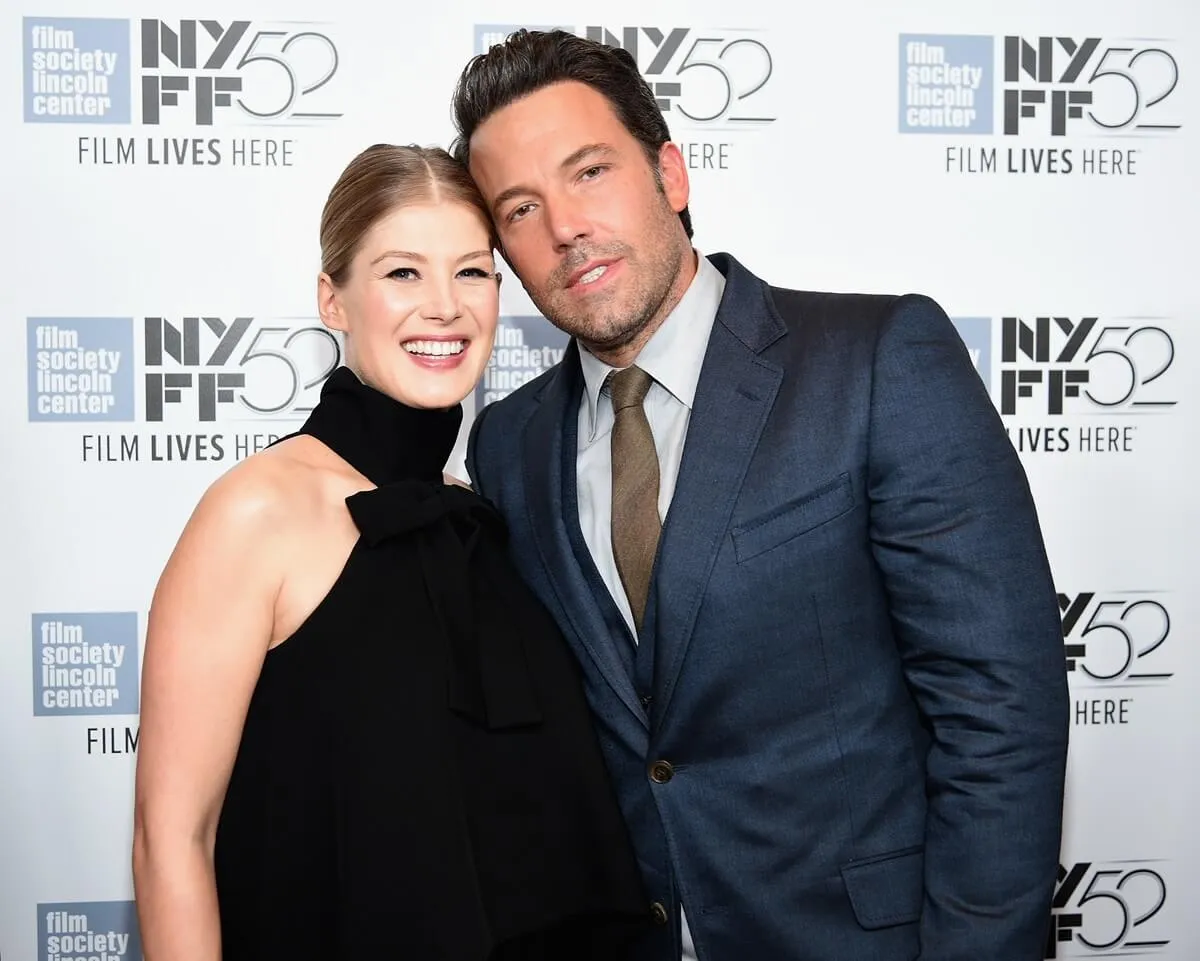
76	70
105	930
525	348
946	83
487	34
85	664
80	368
976	333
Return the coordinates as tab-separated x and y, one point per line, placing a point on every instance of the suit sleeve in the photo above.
472	458
956	536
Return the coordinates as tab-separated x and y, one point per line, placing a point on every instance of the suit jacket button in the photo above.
658	913
661	772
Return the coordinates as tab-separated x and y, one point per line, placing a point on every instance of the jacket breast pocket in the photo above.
796	517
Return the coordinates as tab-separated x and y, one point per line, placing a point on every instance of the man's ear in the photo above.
674	175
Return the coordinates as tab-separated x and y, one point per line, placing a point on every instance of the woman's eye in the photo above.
403	273
475	273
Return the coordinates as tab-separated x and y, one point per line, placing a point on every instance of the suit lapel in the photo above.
546	459
735	393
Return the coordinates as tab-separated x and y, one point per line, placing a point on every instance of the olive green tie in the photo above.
635	522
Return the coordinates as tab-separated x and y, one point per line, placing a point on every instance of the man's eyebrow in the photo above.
573	158
587	150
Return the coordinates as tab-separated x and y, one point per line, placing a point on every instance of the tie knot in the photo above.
628	387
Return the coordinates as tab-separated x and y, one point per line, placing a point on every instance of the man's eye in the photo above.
519	212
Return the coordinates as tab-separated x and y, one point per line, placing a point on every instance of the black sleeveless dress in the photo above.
418	777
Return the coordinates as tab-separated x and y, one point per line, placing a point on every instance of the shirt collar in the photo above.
675	352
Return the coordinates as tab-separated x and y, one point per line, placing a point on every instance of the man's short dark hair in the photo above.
530	60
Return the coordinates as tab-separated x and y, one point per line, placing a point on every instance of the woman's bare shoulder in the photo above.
265	494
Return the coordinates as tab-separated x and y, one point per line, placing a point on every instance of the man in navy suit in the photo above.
791	545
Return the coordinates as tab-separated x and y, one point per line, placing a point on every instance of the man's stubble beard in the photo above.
646	302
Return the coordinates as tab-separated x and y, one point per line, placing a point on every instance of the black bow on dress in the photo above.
455	530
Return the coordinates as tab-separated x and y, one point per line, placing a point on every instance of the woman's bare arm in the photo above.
209	628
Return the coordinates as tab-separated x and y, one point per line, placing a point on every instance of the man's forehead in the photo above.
544	131
564	108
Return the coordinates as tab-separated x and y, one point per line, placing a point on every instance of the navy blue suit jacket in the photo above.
842	735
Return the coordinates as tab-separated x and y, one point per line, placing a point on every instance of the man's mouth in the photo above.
589	274
594	274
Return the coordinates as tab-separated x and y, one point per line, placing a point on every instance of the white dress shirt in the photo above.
673	357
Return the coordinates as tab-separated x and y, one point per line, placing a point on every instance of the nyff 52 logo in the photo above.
195	72
1060	85
720	76
1112	908
1116	637
1054	365
252	367
706	76
260	75
1056	86
192	368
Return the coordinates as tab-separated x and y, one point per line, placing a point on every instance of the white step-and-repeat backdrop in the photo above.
165	165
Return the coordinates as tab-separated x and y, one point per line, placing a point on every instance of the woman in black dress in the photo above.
361	735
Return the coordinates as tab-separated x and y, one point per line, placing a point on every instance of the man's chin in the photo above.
611	332
606	339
